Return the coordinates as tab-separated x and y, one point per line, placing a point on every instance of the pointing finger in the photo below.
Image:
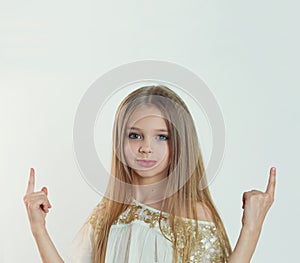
272	182
31	182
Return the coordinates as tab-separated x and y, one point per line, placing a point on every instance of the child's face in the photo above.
146	145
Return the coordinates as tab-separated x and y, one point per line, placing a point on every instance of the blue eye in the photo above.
163	137
134	136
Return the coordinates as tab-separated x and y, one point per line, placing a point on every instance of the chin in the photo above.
144	173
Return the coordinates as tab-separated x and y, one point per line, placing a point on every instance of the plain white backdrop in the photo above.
51	52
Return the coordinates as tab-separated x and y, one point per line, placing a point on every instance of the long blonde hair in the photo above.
186	165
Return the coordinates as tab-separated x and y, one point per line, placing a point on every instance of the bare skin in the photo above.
256	204
38	205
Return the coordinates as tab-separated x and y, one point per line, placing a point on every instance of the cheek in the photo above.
128	150
163	152
162	149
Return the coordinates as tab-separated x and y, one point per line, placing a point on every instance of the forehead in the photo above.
146	113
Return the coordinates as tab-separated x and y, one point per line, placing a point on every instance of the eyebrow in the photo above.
138	129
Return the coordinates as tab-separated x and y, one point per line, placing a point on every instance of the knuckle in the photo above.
30	206
256	197
270	199
252	197
261	197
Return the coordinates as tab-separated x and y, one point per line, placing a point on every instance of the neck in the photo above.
149	190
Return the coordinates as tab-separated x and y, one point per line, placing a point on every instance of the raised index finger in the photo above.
31	182
272	182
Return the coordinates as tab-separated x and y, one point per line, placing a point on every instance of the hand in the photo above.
37	204
256	204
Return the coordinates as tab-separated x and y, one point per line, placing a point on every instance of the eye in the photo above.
134	135
163	137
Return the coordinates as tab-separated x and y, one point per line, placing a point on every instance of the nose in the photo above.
145	147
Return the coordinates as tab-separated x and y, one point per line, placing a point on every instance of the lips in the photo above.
146	163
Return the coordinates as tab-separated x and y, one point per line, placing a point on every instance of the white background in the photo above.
52	51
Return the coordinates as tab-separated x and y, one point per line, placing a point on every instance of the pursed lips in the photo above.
146	163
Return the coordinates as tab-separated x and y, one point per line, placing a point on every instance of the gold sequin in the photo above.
207	246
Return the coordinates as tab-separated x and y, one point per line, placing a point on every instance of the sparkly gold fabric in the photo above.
207	246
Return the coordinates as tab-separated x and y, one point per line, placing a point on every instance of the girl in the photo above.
157	206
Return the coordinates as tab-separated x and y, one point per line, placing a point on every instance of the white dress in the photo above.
136	238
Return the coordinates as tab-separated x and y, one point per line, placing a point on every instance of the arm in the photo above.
37	205
46	247
245	246
256	205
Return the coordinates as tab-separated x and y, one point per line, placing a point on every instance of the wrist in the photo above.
251	230
38	230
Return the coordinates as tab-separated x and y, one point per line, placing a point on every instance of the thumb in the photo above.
45	190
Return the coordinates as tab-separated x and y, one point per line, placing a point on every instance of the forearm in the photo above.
245	246
46	247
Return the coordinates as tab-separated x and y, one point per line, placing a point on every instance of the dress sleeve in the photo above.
80	250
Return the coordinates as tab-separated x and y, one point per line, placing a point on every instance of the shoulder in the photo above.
203	212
